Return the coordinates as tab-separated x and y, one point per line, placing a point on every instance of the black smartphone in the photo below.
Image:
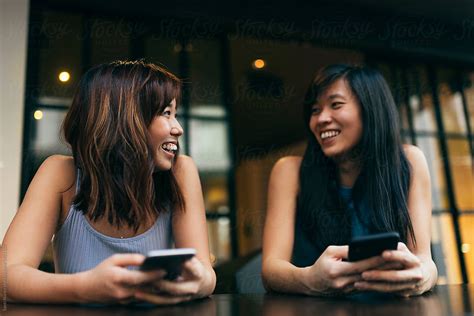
170	260
372	245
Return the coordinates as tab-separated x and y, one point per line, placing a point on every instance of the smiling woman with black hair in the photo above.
356	178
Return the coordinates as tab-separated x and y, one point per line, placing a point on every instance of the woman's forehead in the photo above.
339	89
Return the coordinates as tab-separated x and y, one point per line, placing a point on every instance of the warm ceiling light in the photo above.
259	63
38	115
64	76
177	48
465	248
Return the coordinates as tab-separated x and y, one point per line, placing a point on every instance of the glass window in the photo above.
403	113
208	111
110	40
405	91
163	51
422	107
466	223
209	138
430	148
387	74
414	103
206	83
209	144
469	91
59	51
443	245
451	102
219	238
47	136
214	187
462	173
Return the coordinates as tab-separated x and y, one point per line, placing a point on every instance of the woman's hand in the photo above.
190	285
409	279
112	282
330	275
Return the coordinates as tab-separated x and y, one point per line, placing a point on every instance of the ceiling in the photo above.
448	11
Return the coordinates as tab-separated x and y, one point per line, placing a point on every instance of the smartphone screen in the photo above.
170	260
372	245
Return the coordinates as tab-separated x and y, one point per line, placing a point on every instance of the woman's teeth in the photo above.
170	147
328	134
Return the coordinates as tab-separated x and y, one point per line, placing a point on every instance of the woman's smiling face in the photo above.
336	120
164	133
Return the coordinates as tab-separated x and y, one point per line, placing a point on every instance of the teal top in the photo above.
335	229
358	228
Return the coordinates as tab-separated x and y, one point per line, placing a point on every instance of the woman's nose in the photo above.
324	117
176	129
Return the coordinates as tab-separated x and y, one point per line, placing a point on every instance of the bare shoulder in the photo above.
184	164
186	172
58	171
420	173
285	174
414	155
287	166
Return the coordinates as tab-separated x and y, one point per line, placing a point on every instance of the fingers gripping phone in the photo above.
372	245
170	260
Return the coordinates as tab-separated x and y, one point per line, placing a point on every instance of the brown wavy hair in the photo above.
107	129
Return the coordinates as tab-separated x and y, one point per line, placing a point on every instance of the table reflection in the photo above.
429	304
201	307
444	300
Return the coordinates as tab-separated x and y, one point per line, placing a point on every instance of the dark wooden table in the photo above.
443	300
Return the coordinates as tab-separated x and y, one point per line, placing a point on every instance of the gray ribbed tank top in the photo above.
77	246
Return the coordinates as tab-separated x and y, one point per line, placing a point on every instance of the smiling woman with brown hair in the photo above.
125	191
116	153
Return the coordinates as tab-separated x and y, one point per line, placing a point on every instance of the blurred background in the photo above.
246	66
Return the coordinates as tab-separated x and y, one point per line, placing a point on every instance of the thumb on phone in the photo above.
127	259
341	252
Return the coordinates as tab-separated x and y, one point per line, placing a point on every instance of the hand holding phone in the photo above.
372	245
170	260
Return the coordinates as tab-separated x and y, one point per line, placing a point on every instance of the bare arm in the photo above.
419	207
190	226
278	273
29	235
189	231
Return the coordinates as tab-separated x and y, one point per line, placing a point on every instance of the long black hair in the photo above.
384	178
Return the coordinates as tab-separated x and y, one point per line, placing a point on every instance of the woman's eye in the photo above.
166	113
336	104
315	111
